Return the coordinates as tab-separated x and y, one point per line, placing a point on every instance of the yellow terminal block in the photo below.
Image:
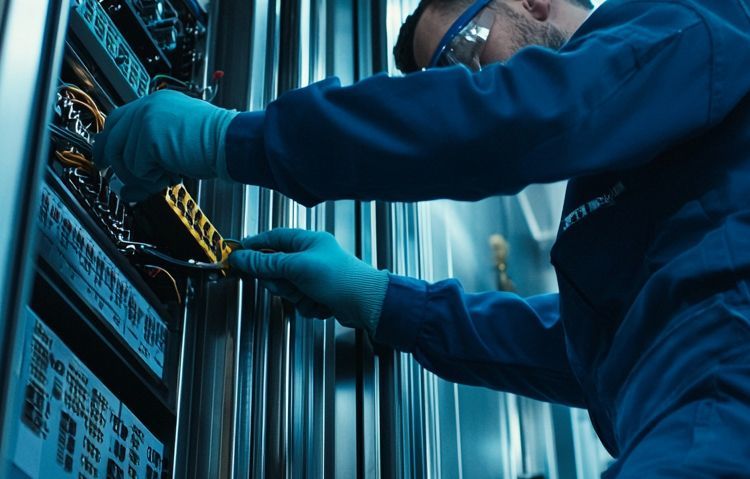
196	223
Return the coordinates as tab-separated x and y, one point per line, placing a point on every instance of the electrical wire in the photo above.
75	140
214	91
79	92
172	79
81	98
214	87
157	270
160	82
129	247
191	263
98	120
74	160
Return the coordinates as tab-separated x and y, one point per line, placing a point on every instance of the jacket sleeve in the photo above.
498	340
633	81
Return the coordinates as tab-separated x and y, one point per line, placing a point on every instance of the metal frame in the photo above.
213	411
26	78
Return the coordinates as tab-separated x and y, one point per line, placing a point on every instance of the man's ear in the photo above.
539	9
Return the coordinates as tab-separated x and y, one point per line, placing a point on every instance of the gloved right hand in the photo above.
154	141
311	270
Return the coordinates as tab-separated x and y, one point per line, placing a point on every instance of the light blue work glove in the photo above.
314	273
154	141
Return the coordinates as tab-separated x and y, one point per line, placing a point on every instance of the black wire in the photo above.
214	90
72	138
178	262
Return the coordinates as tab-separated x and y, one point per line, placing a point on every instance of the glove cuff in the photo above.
367	287
372	301
223	120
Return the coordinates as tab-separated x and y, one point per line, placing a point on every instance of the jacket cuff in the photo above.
245	154
403	313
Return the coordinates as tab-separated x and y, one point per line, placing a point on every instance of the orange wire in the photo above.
74	160
78	95
158	270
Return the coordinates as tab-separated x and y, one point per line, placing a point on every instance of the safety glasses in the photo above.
464	41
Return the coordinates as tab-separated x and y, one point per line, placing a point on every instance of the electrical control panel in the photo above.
165	33
92	191
98	387
171	221
70	424
91	23
72	252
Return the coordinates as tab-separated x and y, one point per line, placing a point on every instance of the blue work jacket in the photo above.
645	110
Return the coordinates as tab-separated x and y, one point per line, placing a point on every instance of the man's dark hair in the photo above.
404	48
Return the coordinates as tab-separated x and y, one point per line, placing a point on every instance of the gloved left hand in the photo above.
154	141
311	270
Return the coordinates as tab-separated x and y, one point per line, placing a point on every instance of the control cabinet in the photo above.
95	350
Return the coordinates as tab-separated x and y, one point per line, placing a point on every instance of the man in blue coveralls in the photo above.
643	105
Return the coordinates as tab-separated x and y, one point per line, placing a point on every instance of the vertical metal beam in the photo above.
28	66
215	414
205	444
32	39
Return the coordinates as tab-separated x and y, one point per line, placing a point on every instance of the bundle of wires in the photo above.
84	100
71	157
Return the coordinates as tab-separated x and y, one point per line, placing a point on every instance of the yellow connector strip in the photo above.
208	238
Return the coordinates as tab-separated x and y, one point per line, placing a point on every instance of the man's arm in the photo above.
498	340
638	78
635	80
